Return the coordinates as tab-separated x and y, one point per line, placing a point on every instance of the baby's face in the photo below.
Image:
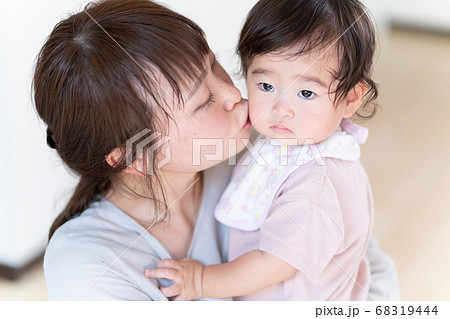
289	96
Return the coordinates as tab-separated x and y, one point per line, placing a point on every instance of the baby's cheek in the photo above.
258	112
323	128
310	127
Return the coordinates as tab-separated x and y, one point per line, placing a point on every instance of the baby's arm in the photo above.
246	274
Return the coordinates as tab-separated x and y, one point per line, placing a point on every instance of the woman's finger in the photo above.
168	273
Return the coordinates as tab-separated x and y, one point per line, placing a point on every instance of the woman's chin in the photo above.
244	133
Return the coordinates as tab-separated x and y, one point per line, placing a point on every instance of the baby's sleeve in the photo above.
302	234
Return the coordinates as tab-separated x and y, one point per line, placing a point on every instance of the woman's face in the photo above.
210	127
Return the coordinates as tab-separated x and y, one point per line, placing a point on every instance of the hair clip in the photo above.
50	141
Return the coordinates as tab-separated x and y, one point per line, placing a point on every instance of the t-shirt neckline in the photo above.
145	233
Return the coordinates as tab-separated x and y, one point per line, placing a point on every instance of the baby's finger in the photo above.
168	273
171	291
167	263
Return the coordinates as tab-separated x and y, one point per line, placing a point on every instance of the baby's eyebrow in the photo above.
311	78
298	77
261	71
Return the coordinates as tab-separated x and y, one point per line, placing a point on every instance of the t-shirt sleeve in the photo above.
302	229
73	284
75	271
302	234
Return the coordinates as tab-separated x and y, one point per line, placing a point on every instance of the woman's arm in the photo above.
384	280
249	273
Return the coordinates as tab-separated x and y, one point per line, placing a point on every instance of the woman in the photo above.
109	81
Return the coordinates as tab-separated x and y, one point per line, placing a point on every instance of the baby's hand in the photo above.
186	275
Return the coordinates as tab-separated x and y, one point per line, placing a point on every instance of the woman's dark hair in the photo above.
275	25
89	82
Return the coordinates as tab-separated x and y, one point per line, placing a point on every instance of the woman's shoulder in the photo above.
100	255
101	223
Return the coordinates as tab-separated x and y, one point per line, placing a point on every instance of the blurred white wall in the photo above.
32	180
33	183
430	14
222	22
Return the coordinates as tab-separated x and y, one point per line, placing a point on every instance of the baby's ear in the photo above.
354	99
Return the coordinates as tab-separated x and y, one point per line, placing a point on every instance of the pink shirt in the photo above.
320	223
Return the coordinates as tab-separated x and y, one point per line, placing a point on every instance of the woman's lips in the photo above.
281	129
247	125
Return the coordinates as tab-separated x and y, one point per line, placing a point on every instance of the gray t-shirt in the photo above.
102	253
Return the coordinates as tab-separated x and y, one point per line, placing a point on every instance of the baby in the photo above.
299	207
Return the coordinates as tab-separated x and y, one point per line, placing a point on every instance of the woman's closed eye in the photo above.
306	94
211	101
266	87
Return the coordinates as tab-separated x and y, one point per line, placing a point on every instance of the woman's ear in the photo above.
354	99
116	156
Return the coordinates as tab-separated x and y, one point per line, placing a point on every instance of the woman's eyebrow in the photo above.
199	82
213	64
203	75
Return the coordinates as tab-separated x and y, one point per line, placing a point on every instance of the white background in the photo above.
34	185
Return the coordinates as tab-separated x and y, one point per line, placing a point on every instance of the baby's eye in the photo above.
266	87
305	94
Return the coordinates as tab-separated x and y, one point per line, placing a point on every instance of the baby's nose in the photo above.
282	109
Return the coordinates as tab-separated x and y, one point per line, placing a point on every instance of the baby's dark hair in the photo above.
342	25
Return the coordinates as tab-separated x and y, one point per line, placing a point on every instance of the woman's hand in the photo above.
186	275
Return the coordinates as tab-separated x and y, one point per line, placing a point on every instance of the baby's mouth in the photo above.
281	129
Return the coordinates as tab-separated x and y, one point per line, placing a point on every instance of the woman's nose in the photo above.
231	96
282	109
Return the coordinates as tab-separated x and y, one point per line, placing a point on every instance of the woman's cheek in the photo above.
210	130
215	124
